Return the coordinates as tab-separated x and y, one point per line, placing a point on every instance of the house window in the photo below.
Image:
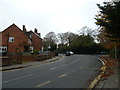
11	39
31	49
30	36
3	49
29	41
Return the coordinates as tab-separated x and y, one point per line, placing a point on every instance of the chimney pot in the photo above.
39	34
35	30
24	29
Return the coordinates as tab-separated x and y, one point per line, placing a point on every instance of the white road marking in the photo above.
56	67
83	67
62	75
43	83
52	68
17	78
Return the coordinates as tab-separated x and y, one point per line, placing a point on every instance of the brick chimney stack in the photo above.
35	30
24	28
39	34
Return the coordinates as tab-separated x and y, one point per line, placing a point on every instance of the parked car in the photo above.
71	52
67	54
103	52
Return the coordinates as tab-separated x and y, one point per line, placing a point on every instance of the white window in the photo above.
30	36
11	39
31	49
3	48
29	41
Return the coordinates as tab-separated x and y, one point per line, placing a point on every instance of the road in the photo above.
69	72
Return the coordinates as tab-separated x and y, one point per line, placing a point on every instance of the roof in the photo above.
34	33
27	33
11	26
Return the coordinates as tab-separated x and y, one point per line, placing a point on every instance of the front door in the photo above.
26	49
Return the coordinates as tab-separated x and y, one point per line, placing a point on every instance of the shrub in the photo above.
35	52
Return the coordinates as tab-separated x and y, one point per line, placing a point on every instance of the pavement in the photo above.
109	76
28	64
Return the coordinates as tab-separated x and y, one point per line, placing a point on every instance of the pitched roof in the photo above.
11	26
34	33
27	33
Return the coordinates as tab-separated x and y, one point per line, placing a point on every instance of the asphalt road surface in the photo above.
74	71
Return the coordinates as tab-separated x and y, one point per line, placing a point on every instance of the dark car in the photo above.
67	54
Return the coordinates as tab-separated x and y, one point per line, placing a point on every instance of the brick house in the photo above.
16	40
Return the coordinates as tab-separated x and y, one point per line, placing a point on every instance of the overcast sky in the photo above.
58	16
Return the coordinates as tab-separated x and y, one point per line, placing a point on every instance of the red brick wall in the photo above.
19	38
36	42
29	58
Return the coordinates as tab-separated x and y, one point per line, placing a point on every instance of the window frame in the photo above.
11	39
3	48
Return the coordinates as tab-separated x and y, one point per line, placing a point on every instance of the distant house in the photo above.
16	40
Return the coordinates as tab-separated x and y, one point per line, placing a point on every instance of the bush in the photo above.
35	52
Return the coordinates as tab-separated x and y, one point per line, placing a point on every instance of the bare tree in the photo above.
51	36
61	38
88	31
66	38
49	41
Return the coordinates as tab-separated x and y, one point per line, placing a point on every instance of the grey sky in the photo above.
49	15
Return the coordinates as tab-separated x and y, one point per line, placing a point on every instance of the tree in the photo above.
79	43
61	38
109	19
51	36
66	38
105	40
88	31
69	37
49	42
84	44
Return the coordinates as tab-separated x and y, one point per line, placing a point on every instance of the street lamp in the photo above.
7	40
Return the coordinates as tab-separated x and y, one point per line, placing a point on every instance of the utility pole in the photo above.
7	40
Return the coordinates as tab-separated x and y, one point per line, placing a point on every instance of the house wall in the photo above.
36	42
20	39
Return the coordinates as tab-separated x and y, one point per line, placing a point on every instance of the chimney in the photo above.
39	34
35	30
24	29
